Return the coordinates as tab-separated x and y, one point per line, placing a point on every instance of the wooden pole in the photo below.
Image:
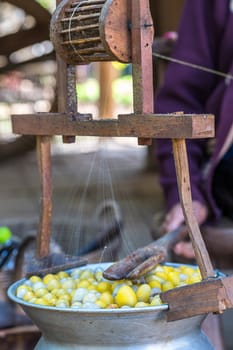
66	90
142	39
44	165
184	186
106	77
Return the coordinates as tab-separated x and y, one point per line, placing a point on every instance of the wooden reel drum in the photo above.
84	31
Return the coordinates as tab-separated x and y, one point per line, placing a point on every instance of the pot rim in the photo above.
11	294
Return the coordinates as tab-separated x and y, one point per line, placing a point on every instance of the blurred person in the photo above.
205	39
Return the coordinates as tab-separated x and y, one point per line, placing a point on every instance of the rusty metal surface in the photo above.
87	31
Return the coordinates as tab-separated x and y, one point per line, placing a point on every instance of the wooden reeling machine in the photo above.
85	31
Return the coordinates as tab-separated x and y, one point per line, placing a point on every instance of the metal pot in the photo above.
115	329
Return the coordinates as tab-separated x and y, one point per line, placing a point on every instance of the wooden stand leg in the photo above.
214	293
183	180
44	165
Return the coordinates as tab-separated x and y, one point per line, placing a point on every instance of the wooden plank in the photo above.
169	125
213	295
13	42
34	9
152	125
23	65
23	38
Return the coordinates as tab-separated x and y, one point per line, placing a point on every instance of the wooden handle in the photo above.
183	180
169	239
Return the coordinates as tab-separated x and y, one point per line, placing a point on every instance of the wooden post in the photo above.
106	78
66	90
142	34
44	165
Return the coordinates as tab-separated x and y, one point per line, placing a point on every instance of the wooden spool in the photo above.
85	31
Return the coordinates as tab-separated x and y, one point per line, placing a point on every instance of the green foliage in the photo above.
88	91
48	4
122	90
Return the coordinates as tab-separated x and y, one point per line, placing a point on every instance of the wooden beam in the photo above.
152	125
13	42
66	91
34	9
142	34
23	65
107	73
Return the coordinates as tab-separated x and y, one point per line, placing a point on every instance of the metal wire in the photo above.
70	23
195	66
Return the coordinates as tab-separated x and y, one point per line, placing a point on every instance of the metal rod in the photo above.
82	41
81	17
80	28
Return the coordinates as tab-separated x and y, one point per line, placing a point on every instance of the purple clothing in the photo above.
205	38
